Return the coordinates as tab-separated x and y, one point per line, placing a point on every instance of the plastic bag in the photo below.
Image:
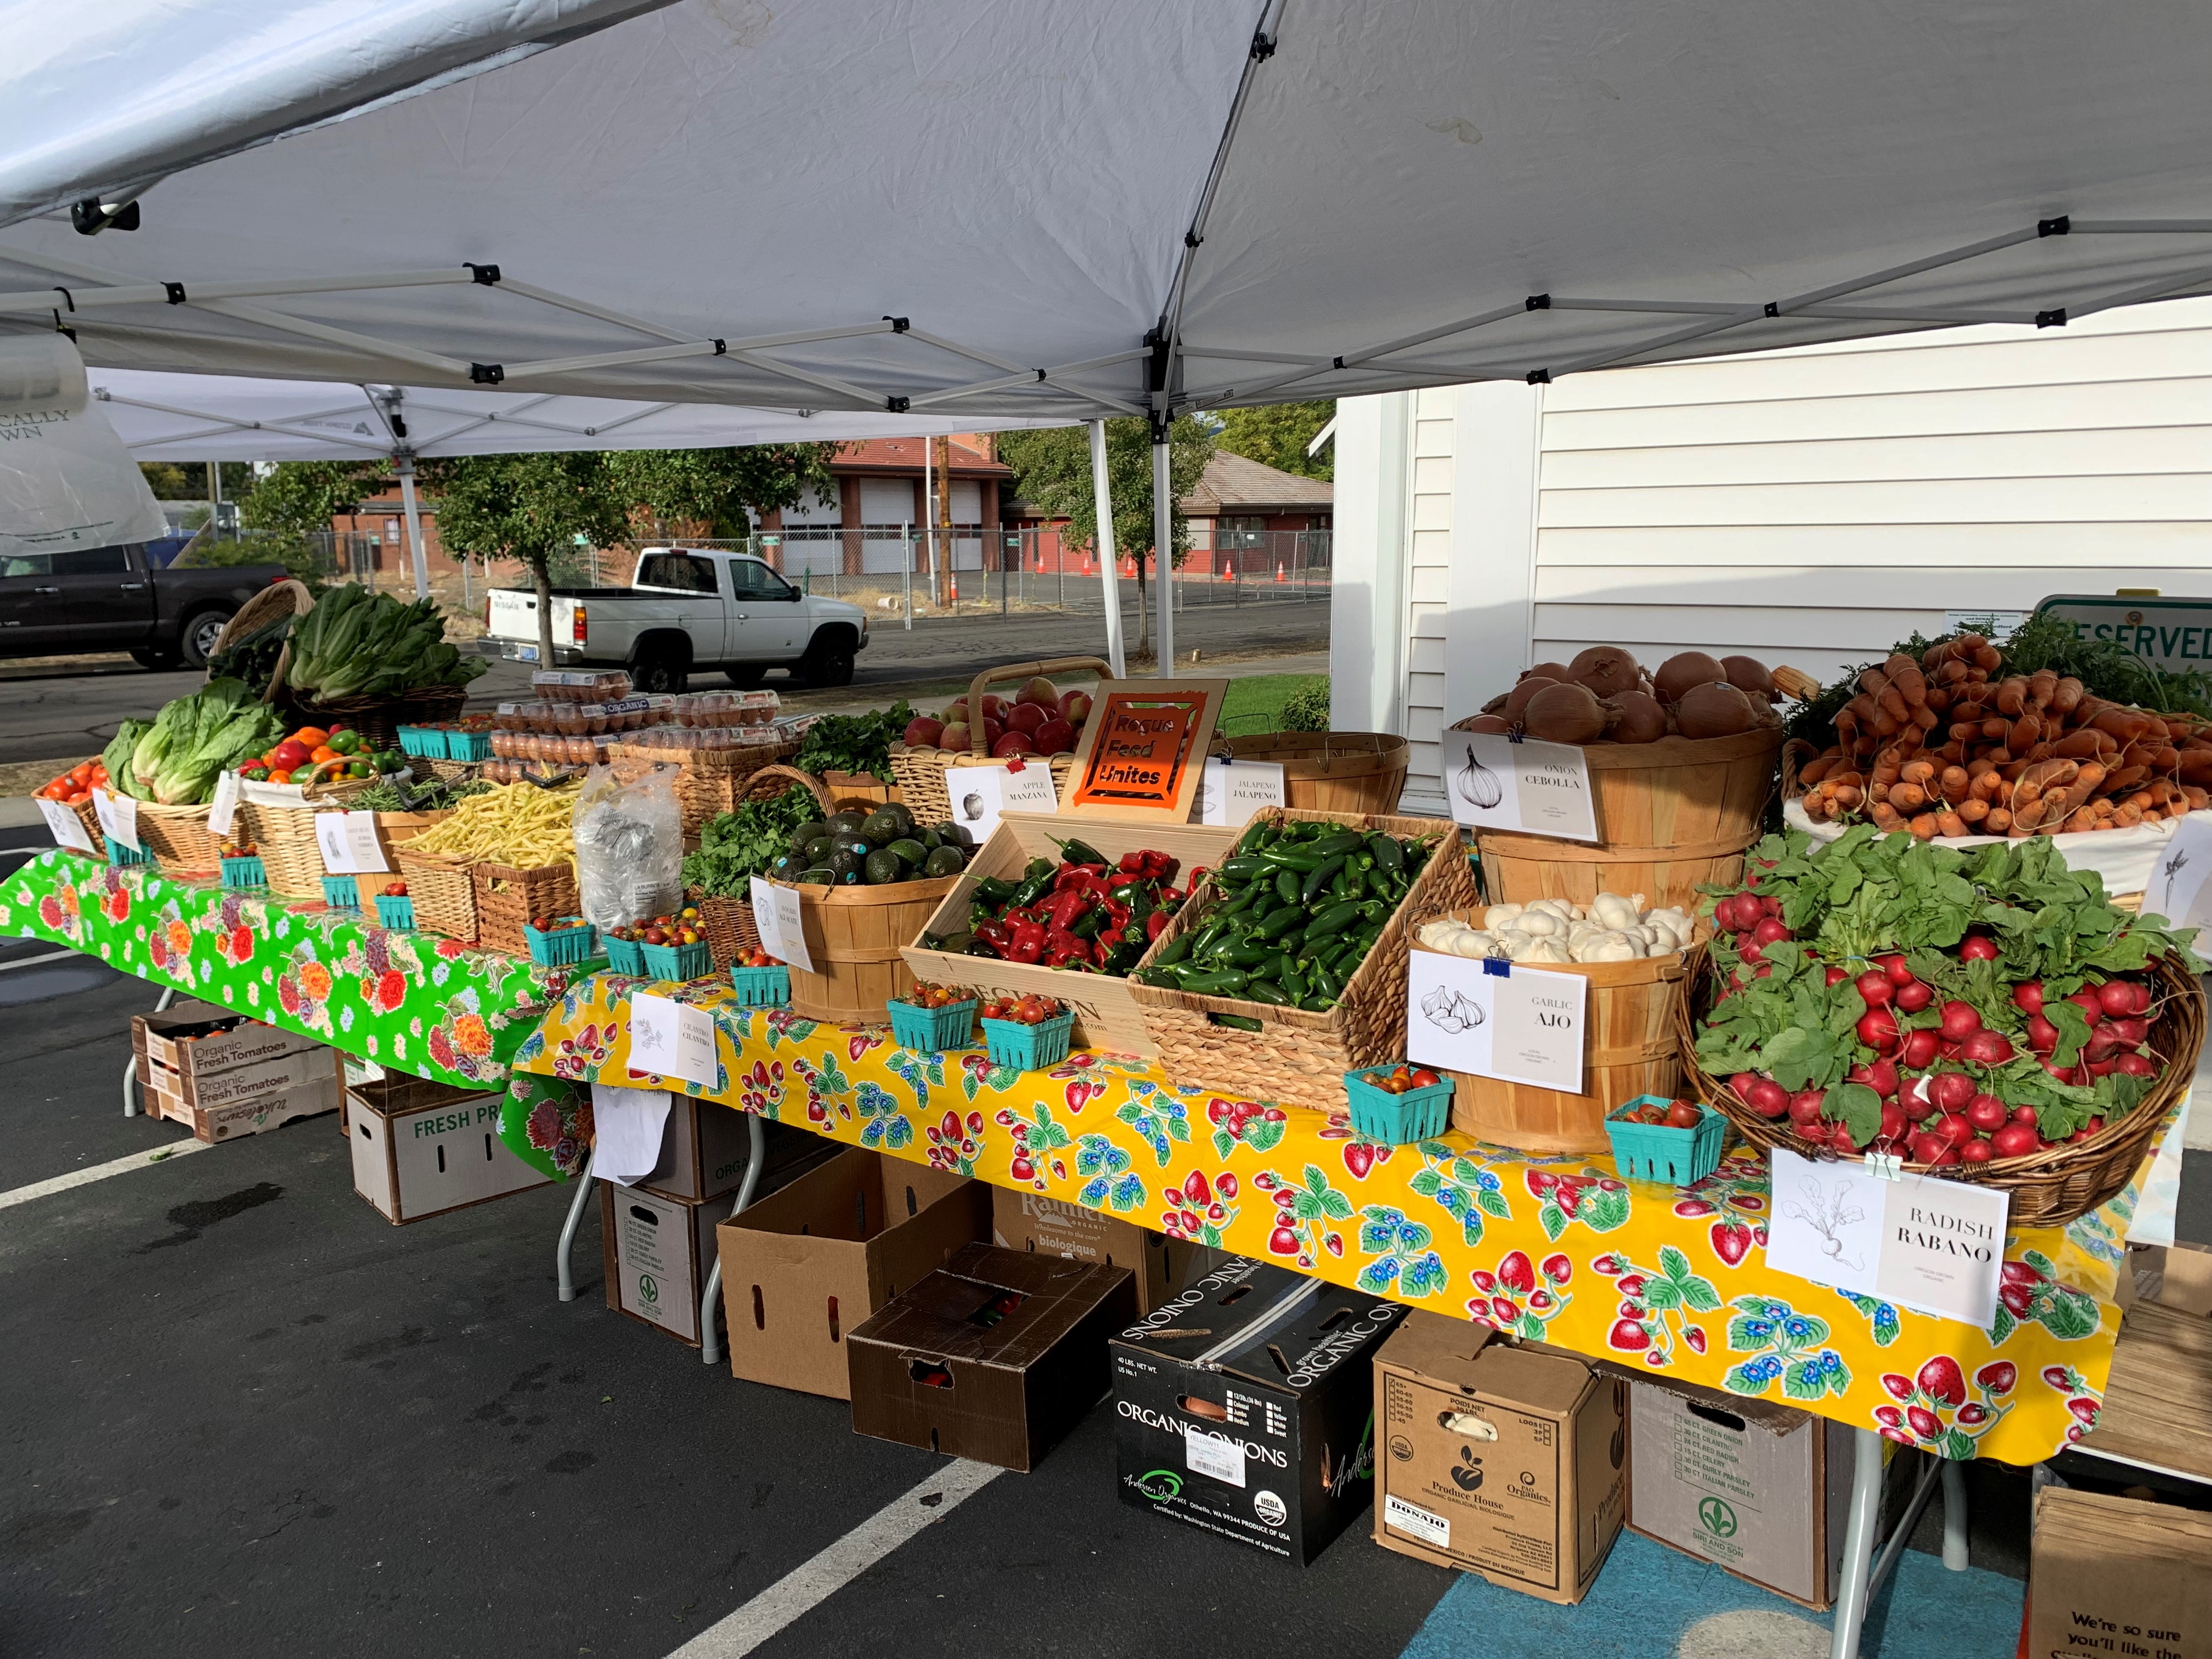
629	847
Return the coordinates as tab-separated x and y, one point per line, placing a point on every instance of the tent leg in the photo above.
413	526
1163	555
568	1231
1102	499
710	1301
1852	1595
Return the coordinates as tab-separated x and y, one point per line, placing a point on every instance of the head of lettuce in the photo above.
176	760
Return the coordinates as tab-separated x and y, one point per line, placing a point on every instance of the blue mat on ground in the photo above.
1652	1602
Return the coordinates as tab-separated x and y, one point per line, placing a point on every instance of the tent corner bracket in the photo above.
484	276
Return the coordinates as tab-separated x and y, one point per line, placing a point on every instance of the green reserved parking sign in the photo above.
2175	634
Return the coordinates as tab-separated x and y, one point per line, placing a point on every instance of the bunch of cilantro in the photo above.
735	847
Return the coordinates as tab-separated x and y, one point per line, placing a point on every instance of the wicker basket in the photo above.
2049	1188
709	781
277	599
1331	771
727	921
394	831
379	718
286	835
444	893
506	898
920	772
88	816
178	839
1297	1057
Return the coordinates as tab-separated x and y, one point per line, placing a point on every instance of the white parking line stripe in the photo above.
814	1582
62	1183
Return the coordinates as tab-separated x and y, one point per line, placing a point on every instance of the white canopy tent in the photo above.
1048	209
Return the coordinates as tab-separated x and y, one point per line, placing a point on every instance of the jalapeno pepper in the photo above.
1080	852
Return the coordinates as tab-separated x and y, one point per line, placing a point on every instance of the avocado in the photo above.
846	824
859	846
930	839
818	875
818	847
944	861
809	831
843	864
904	814
911	851
883	825
789	867
885	867
955	834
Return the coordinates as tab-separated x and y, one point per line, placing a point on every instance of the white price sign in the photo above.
222	811
1230	791
981	794
67	828
671	1039
1936	1247
1528	788
348	843
2177	888
118	818
776	918
1489	1018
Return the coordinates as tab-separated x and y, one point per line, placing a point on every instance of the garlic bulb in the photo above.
1545	950
1614	928
1610	947
1540	924
1500	915
1613	911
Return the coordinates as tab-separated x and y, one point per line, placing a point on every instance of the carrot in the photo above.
1973	810
1885	817
2042	686
1923	827
2011	698
1950	824
1813	770
1999	821
2067	696
1988	659
1907	797
1956	783
2128	817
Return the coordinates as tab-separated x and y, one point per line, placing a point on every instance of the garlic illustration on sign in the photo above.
1612	929
1477	784
1448	1011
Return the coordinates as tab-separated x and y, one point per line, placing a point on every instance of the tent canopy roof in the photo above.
983	212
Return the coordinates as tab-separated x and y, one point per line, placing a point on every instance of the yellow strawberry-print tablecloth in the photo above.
1556	1249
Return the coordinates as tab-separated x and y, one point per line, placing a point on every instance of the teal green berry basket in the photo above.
341	892
117	853
467	746
423	741
1396	1120
625	956
240	874
761	987
932	1031
1656	1151
563	946
1028	1048
396	911
679	961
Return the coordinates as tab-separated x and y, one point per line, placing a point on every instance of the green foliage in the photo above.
1259	703
735	847
720	488
187	481
525	508
302	496
1052	468
301	557
1308	710
1278	435
854	742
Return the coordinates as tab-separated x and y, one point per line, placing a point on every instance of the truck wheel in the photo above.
196	640
829	660
660	674
746	676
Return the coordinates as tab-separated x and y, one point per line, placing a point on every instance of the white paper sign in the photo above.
776	918
1531	788
1230	791
2177	888
348	843
118	818
628	1126
1936	1247
222	811
671	1039
1218	1455
1524	1026
67	828
981	794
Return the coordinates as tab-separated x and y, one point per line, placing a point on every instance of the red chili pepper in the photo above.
1132	862
995	933
1069	906
1116	908
1190	882
1062	949
1110	937
1155	922
1029	938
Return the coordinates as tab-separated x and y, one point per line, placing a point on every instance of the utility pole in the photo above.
940	512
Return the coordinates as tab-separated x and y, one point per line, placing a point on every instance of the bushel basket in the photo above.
179	839
377	719
925	788
1331	771
2051	1186
726	919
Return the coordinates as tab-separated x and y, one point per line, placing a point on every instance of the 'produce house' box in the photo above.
422	1148
186	1040
657	1252
703	1151
1505	1459
996	1356
1758	1488
1031	1221
1245	1406
803	1267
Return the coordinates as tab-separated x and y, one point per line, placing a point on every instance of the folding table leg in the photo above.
1954	1514
710	1301
130	1070
568	1231
1858	1544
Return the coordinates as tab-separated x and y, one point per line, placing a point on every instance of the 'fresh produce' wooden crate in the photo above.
1293	1055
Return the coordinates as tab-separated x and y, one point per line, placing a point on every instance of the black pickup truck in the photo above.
110	598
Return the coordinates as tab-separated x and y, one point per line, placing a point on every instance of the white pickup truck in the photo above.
689	609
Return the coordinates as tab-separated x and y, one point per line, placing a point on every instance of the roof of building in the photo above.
1237	483
905	455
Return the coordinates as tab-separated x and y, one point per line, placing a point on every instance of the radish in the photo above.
2092	1006
1977	947
1874	988
1893	1123
2042	1035
1836	976
1918	1052
1988	1047
1748	948
1960	1019
1928	1147
1952	1090
2132	1032
2101	1068
1767	1098
2024	1114
1877	1028
1804	1106
2016	1139
1976	1151
2104	1043
1741	1083
1955	1128
1893	965
1913	995
1987	1112
1771	906
1916	1100
2134	1066
1817	1132
1769	931
2116	997
1880	1077
2028	996
1841	1141
2064	1074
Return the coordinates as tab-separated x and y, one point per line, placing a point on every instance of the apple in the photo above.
1025	717
1039	693
955	710
1054	736
1014	743
923	733
1075	708
994	708
953	735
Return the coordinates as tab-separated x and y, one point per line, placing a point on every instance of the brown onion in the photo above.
1749	676
1638	717
1495	725
1548	671
1715	710
1564	713
1516	700
1682	672
1607	670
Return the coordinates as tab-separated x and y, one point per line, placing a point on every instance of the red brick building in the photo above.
1243	513
879	491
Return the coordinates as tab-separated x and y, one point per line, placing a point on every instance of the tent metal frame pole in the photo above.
408	505
158	293
1163	552
1102	507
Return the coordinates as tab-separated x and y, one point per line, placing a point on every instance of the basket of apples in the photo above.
1398	1104
395	908
1029	1032
1671	1141
761	980
931	1019
1039	720
557	941
1987	1012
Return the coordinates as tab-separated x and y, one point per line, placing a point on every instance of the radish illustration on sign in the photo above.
1528	787
1523	1026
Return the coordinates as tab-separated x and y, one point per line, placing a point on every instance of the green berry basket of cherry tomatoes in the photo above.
1398	1104
932	1018
1674	1142
559	941
761	981
395	908
1028	1033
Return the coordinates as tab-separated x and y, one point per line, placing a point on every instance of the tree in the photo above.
1052	468
1277	436
530	508
303	496
720	487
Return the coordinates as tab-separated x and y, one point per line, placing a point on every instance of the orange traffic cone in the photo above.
1278	570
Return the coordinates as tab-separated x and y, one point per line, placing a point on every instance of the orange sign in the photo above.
1142	752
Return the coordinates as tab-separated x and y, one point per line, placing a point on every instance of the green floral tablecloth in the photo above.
411	1001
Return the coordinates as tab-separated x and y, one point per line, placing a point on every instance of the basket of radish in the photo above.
1987	1013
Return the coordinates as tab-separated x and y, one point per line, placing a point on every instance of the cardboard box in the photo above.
657	1252
996	1356
353	1072
420	1148
2158	1397
1244	1406
703	1151
245	1117
803	1267
1760	1489
2174	1276
197	1086
2118	1577
1500	1458
189	1039
1031	1221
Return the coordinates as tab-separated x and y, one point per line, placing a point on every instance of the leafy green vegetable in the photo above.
738	846
356	643
854	742
253	658
116	758
176	760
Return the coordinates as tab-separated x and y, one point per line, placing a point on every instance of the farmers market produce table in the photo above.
410	1001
